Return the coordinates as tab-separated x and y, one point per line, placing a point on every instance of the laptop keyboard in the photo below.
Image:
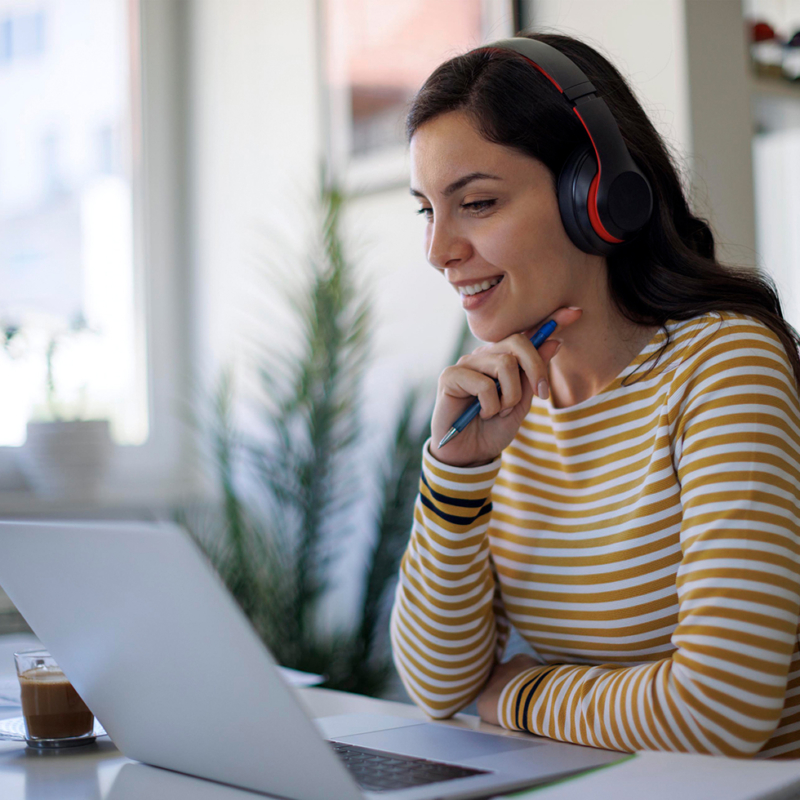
377	771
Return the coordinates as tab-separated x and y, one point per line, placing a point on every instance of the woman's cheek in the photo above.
504	247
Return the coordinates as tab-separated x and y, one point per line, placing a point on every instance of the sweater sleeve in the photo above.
448	624
733	414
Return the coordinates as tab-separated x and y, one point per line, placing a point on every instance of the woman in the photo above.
629	499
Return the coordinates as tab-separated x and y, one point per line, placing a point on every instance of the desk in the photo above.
101	772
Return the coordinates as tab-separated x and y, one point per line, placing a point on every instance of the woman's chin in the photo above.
488	331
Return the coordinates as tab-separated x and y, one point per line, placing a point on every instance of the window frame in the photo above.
155	473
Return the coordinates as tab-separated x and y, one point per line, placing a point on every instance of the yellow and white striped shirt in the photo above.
646	544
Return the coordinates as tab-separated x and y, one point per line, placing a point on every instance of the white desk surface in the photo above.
91	772
100	772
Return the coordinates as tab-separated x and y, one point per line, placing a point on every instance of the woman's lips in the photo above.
473	301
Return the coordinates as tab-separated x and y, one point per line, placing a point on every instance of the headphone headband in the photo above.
619	200
562	72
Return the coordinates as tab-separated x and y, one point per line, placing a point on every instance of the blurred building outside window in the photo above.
21	34
66	216
377	55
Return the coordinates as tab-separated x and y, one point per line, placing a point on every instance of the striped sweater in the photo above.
645	542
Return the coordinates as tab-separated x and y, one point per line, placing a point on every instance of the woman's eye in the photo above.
426	212
479	205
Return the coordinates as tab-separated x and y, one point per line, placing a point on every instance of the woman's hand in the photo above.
501	675
521	370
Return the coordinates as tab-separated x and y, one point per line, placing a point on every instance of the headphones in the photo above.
603	197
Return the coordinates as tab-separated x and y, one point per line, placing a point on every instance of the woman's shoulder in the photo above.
713	342
725	342
683	342
719	330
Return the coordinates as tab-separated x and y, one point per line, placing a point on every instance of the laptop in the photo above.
157	647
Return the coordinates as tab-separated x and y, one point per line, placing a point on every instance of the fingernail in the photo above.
543	390
574	308
505	412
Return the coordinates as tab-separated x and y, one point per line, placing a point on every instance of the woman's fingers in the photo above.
531	361
563	317
549	349
510	383
460	381
504	361
505	368
519	369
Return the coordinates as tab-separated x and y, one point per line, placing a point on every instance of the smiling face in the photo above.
494	229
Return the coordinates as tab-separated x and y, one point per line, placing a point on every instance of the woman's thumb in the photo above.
549	349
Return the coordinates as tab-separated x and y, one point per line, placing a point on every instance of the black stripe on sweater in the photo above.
451	501
452	518
535	683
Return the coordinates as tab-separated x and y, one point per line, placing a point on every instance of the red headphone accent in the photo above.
549	77
532	63
594	218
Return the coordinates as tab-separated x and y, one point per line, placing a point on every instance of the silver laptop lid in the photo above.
215	706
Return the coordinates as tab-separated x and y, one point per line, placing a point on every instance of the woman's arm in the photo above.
448	623
734	412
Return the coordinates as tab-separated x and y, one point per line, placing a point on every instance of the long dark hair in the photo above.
670	270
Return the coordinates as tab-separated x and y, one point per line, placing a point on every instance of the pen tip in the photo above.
448	436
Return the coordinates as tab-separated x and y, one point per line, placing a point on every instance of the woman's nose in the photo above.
446	248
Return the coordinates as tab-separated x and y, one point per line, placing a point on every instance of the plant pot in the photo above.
66	459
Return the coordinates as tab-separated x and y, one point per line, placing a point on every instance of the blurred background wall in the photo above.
156	155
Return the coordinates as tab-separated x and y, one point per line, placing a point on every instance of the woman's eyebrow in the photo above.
460	183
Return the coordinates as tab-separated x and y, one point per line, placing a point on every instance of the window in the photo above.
66	220
377	55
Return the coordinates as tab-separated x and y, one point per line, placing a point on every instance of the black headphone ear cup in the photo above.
574	183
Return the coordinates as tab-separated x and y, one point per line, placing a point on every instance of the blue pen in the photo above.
537	340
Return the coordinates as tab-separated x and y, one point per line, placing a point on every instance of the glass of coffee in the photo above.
54	713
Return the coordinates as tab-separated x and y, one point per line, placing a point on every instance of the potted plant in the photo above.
288	498
66	452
